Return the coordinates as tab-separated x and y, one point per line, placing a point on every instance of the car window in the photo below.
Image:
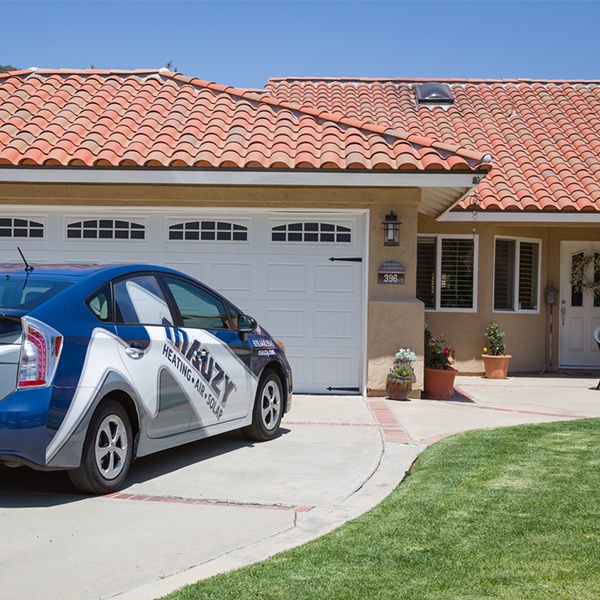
140	301
28	293
198	308
100	303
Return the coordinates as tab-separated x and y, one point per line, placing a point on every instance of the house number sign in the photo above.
391	273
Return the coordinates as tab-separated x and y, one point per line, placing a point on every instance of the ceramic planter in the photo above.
398	388
439	383
496	367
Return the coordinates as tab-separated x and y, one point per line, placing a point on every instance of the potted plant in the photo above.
495	359
439	373
400	378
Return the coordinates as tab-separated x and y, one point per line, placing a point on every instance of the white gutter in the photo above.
523	216
191	176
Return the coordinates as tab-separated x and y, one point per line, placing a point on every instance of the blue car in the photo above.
102	364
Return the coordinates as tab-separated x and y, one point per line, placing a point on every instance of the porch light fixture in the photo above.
391	230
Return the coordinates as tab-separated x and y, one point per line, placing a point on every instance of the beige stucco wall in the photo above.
527	335
395	317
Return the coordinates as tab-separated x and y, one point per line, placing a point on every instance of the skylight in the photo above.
434	93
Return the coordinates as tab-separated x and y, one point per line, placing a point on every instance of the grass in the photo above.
505	513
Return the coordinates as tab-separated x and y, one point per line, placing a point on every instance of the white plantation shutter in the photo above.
446	272
516	275
456	274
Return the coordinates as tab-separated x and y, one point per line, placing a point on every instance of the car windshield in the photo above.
26	294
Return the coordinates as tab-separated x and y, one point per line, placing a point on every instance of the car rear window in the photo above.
27	294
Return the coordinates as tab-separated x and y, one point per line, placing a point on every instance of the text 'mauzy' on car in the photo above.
101	364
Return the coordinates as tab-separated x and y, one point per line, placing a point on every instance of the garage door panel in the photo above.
286	282
336	278
330	324
334	371
287	323
286	277
195	269
232	276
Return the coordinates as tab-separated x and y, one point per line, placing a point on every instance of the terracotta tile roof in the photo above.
544	135
159	119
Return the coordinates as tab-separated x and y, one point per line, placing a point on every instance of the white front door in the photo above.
579	309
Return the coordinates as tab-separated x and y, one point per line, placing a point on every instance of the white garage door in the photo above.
274	265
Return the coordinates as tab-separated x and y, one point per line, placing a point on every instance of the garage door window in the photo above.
311	232
106	229
21	228
210	231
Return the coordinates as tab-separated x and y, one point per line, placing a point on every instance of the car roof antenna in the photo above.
28	267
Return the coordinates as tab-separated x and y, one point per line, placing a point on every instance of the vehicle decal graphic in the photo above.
205	369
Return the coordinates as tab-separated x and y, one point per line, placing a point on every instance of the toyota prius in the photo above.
102	364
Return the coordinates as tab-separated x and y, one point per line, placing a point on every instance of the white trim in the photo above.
364	357
516	273
523	217
194	176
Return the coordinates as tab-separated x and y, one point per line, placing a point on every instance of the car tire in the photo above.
268	409
107	451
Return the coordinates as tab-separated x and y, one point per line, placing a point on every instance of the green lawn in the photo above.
506	513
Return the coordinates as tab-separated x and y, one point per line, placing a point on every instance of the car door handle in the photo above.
134	351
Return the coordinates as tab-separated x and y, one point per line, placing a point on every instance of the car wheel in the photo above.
268	409
106	452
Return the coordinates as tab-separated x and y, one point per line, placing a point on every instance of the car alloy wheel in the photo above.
111	447
107	450
268	409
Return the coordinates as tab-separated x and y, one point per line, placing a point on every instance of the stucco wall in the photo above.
527	335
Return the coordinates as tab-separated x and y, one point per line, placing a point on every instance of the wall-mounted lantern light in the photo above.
391	230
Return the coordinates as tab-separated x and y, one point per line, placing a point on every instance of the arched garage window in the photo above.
106	229
217	231
311	232
20	228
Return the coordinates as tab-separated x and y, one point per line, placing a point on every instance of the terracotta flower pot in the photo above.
398	388
496	367
439	383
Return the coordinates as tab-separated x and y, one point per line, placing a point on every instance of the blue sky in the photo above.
244	43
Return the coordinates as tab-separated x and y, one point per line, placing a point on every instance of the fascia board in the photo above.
245	177
522	217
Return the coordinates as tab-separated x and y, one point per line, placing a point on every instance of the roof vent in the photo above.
434	93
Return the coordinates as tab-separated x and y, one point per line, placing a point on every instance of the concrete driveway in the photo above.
218	504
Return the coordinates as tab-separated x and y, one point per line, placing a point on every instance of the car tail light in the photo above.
40	350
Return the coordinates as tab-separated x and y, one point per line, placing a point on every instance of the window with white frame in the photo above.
516	274
105	229
446	272
20	228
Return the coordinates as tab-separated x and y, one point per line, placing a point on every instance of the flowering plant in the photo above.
437	354
403	360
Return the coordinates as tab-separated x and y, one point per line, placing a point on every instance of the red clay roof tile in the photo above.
544	135
111	118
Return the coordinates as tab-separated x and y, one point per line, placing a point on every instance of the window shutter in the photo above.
528	276
426	254
504	275
456	274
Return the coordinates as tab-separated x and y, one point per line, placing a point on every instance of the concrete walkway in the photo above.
212	506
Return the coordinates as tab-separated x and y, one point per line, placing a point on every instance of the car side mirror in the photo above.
246	325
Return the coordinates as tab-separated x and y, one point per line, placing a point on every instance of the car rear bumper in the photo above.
23	427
